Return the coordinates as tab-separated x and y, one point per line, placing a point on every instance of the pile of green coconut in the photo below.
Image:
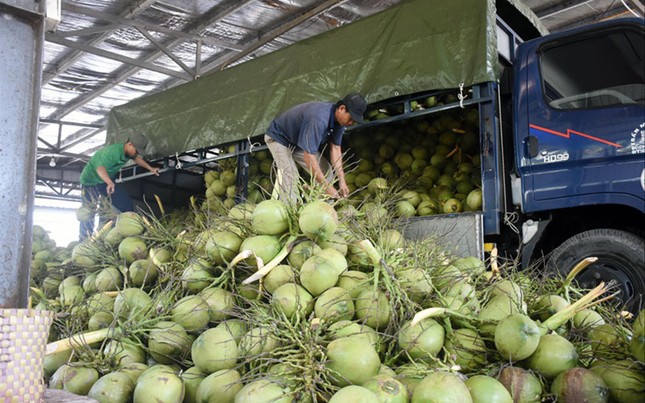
316	301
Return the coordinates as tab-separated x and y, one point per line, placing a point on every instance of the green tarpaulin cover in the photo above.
416	46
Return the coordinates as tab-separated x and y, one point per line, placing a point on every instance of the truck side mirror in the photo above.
532	146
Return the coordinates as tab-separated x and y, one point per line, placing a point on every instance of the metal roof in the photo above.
105	53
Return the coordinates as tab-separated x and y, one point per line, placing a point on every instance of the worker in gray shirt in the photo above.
297	135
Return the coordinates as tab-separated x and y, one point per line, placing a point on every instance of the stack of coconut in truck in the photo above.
493	156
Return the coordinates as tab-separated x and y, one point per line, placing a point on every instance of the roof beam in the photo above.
167	52
49	37
70	58
560	8
214	15
149	27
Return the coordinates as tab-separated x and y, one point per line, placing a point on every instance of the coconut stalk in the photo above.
81	339
435	312
266	269
566	285
586	301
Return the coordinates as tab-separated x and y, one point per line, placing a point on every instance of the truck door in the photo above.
581	118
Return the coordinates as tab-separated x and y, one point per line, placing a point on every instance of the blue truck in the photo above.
560	118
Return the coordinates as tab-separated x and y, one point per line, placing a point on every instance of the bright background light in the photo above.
58	218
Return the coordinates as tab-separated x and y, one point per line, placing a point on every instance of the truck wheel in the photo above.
620	256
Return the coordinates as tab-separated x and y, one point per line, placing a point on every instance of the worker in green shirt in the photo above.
97	178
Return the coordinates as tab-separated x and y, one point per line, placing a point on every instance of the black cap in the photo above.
139	141
356	106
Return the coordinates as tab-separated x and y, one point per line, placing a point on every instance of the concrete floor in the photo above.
61	396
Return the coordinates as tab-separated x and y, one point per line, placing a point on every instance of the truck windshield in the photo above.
602	70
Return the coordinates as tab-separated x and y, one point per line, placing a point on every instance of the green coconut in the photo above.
624	378
637	346
516	337
404	208
51	362
422	341
129	223
191	312
318	220
220	303
466	347
411	374
262	391
124	352
83	255
548	305
258	340
265	247
132	304
242	211
355	394
132	248
553	355
100	320
510	289
113	387
143	272
337	242
76	378
71	295
387	388
485	389
347	328
373	309
470	265
603	339
354	282
168	342
113	237
209	359
579	385
441	387
134	370
351	361
417	282
192	378
108	279
196	276
221	247
334	305
496	309
270	217
587	318
292	299
100	302
319	274
158	386
279	275
301	252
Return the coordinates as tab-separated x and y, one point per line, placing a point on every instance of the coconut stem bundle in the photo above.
586	301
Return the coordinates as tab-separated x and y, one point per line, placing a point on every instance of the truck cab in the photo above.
579	164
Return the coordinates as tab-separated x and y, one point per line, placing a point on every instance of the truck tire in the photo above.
621	257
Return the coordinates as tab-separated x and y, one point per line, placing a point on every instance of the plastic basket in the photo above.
23	339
